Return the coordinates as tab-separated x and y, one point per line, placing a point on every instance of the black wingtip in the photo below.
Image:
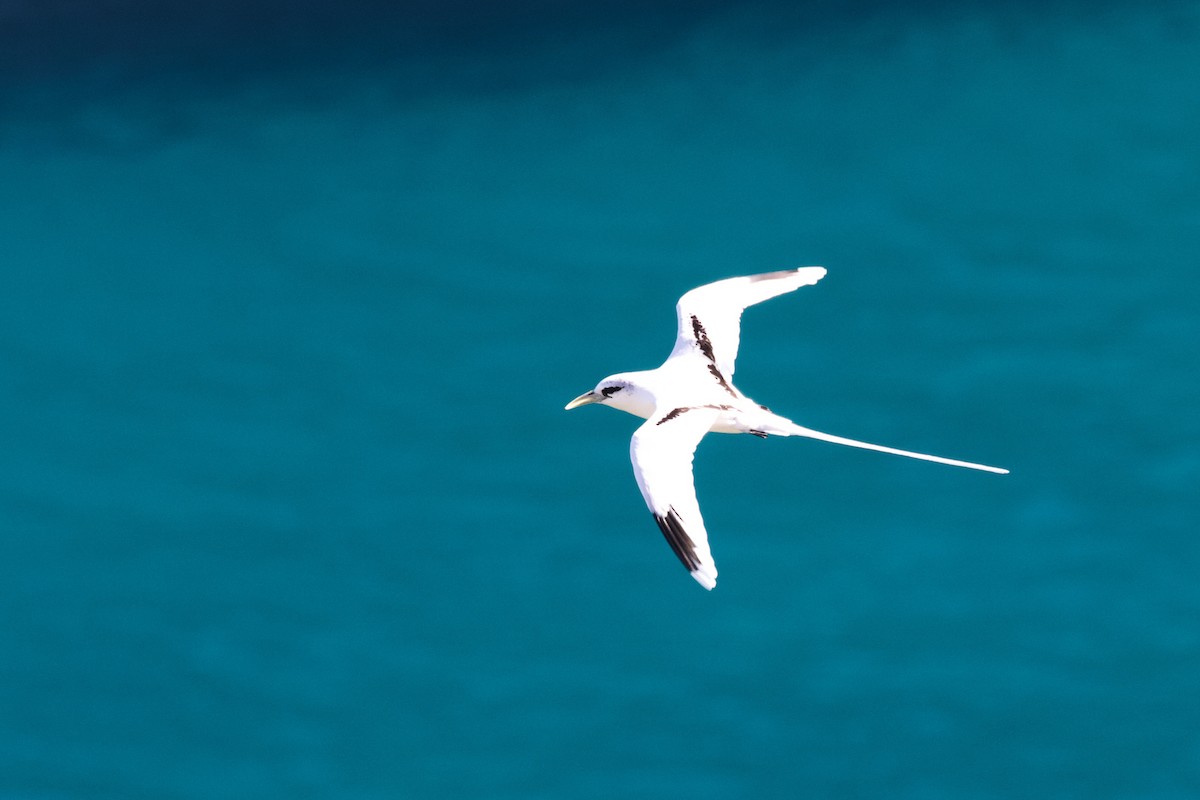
672	527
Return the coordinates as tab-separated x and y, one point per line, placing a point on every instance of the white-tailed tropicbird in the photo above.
691	394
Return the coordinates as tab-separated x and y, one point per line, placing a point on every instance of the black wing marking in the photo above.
716	373
702	340
672	527
673	413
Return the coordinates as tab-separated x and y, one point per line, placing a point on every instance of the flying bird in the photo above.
691	394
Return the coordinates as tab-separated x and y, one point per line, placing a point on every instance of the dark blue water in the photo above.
291	301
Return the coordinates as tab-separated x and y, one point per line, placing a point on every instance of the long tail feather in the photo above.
799	430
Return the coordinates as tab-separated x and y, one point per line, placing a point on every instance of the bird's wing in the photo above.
661	451
710	315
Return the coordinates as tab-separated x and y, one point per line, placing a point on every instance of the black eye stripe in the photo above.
609	391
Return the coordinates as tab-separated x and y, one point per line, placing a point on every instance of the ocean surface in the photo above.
292	296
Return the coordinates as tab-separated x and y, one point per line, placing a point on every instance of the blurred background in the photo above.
291	298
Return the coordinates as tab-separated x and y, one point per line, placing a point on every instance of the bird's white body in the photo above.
691	394
666	387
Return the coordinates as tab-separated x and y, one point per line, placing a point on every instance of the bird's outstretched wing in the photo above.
710	315
661	451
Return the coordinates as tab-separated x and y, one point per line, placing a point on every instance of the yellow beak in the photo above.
582	400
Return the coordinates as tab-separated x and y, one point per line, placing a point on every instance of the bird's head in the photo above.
621	392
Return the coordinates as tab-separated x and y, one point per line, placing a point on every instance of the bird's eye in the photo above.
609	391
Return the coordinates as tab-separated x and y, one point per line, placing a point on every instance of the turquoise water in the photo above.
290	303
